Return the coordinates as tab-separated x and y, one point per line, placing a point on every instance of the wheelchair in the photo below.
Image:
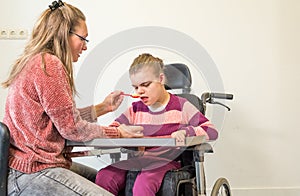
186	181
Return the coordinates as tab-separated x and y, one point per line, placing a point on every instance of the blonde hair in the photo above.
147	60
50	35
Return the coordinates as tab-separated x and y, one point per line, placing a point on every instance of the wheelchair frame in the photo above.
179	77
221	186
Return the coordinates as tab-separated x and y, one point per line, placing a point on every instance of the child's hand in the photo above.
179	135
130	131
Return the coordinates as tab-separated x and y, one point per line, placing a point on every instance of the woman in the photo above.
40	110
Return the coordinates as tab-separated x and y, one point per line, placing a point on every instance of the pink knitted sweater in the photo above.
41	114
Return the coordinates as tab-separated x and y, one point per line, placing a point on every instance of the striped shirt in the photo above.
179	114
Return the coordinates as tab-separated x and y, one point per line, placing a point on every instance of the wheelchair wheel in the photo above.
221	187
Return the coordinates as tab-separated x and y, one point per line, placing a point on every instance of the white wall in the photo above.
255	46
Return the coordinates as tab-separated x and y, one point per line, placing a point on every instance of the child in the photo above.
161	114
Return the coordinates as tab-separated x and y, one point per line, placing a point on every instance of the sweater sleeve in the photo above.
88	113
197	123
57	100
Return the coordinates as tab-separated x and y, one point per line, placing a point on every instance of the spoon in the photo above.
133	96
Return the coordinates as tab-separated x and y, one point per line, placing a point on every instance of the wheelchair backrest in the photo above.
178	77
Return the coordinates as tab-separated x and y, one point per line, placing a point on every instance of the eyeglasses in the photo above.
81	38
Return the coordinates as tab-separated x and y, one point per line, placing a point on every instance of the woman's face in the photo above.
77	40
148	86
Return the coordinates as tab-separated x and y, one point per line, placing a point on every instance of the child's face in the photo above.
148	86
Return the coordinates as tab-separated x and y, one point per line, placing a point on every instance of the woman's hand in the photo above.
110	103
113	100
179	135
130	131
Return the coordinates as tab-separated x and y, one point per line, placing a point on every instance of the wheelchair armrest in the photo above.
204	148
129	151
115	157
199	151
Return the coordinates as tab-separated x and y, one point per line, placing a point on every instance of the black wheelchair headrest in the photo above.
178	76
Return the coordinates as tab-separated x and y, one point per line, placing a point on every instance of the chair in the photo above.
4	148
183	181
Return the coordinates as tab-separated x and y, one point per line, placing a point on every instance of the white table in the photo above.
114	145
136	142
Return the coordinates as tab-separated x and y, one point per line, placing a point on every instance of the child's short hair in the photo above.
147	60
